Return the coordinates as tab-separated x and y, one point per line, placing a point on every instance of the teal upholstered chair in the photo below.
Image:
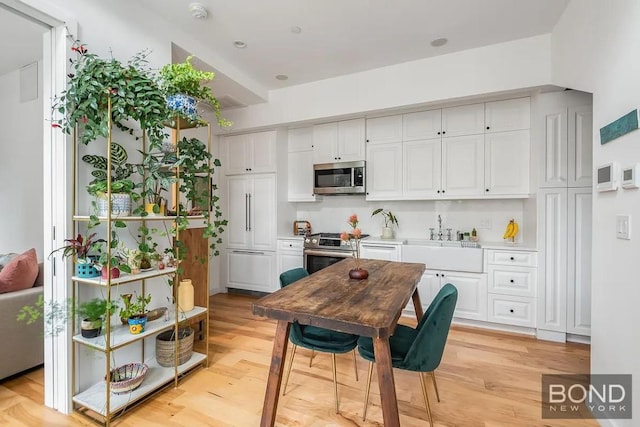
317	339
418	349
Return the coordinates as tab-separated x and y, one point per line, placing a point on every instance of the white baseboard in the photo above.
543	334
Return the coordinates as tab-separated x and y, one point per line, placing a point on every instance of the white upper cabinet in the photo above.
422	125
384	129
463	166
339	141
507	115
463	120
506	161
251	153
422	161
300	165
384	171
580	140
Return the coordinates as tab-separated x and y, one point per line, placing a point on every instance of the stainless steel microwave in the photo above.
339	178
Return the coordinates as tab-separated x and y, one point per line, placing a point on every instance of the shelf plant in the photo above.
389	221
182	79
92	314
85	251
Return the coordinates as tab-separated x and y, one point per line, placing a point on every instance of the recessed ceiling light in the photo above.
282	77
296	30
239	44
198	11
439	42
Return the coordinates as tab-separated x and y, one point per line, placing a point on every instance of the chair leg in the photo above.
435	384
286	378
335	381
355	364
426	396
311	358
366	393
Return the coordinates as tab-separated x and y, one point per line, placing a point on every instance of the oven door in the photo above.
317	259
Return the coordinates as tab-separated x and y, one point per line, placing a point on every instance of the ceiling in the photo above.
22	40
337	36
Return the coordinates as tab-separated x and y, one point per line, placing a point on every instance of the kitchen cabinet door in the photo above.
506	163
237	154
262	152
262	214
422	169
388	252
580	141
384	171
351	145
325	143
238	188
463	120
300	177
579	219
300	139
472	293
463	166
507	115
251	270
421	125
383	130
428	288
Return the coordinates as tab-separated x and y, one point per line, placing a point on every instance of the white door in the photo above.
506	163
463	120
422	169
262	214
472	294
552	269
263	152
580	142
579	261
421	125
325	143
463	166
238	202
300	177
384	171
382	130
351	146
237	154
507	115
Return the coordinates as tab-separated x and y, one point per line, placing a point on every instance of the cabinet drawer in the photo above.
512	280
512	310
293	245
522	258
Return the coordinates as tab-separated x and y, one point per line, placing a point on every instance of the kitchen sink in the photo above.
444	255
445	243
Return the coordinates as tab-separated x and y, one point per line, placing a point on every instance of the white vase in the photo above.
387	233
185	295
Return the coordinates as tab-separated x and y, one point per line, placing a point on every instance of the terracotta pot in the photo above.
115	273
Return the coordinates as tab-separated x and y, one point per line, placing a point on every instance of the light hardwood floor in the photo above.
485	379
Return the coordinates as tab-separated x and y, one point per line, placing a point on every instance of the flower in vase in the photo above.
353	238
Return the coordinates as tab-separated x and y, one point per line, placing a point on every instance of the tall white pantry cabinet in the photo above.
250	190
564	126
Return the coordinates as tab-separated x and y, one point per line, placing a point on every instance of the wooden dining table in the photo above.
329	299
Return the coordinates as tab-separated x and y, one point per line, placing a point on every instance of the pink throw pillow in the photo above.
20	273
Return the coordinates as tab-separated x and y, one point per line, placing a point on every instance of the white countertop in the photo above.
380	240
518	246
289	237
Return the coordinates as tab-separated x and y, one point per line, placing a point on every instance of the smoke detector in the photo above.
198	11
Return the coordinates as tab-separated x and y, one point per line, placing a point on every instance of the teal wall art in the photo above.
622	126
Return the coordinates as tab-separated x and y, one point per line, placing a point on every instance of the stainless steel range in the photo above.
323	249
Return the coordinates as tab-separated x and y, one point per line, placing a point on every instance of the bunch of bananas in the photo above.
511	231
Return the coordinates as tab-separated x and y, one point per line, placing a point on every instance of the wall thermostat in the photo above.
631	176
607	177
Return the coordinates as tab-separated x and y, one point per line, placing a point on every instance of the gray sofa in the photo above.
22	345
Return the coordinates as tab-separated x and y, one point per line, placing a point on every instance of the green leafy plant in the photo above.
134	305
81	247
183	78
158	177
389	218
130	88
94	309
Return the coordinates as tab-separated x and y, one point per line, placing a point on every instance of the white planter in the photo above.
387	233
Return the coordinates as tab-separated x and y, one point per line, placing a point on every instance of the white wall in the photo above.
21	181
415	217
594	48
502	67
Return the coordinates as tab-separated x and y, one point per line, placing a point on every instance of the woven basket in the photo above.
166	346
127	377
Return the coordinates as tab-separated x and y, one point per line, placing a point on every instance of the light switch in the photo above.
623	227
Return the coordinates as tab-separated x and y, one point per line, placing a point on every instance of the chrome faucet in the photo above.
439	227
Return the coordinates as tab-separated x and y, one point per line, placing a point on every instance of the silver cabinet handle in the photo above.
246	212
248	252
378	246
249	211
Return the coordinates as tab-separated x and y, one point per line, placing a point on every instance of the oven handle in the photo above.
336	254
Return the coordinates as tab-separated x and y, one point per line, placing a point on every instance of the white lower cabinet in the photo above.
290	256
384	251
251	270
512	287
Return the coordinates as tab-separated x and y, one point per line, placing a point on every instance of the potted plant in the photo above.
389	220
80	249
157	169
122	188
95	81
92	313
135	312
184	86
